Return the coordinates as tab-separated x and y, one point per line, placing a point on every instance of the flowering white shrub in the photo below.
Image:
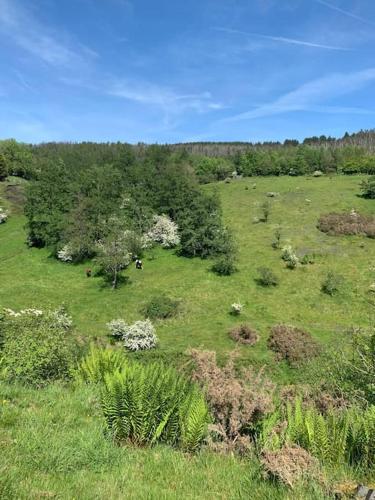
3	215
164	231
65	254
140	335
117	328
290	257
372	288
236	308
61	319
22	312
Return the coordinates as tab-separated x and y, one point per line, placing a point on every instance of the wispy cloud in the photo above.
313	95
282	39
28	33
345	12
167	99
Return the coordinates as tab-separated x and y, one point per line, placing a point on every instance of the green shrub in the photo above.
224	266
160	307
37	348
97	364
368	188
332	283
266	277
146	404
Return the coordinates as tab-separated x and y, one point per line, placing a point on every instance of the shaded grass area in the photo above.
31	277
53	446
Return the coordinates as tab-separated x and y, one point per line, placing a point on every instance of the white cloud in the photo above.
28	33
345	12
311	96
282	39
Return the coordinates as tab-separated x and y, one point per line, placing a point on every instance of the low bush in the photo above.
224	266
148	404
140	336
3	215
368	188
160	307
352	223
290	257
236	309
331	283
244	334
37	347
238	401
266	277
277	241
292	344
117	328
289	465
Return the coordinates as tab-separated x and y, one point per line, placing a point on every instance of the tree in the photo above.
3	167
114	252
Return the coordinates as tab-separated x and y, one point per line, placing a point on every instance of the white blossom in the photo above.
164	231
65	254
236	308
140	335
117	328
3	215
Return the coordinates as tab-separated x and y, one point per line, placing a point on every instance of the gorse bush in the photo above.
332	283
244	334
147	404
292	344
266	277
351	223
93	368
238	401
37	346
160	307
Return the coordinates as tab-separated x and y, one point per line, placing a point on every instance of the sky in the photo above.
171	71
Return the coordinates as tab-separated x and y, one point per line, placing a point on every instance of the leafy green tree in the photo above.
3	167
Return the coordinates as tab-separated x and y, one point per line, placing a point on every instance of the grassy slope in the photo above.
31	277
51	440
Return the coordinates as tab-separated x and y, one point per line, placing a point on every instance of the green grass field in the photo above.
51	440
31	277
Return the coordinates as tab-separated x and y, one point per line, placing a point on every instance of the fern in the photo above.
98	362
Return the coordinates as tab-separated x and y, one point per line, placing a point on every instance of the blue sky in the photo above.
174	71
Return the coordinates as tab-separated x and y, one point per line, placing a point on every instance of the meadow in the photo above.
32	277
52	439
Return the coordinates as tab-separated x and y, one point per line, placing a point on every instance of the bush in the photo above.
236	308
117	328
237	401
290	257
244	334
292	344
160	307
164	231
266	277
266	210
331	284
224	266
352	223
317	173
140	336
93	368
147	404
368	188
277	241
289	465
37	347
3	215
